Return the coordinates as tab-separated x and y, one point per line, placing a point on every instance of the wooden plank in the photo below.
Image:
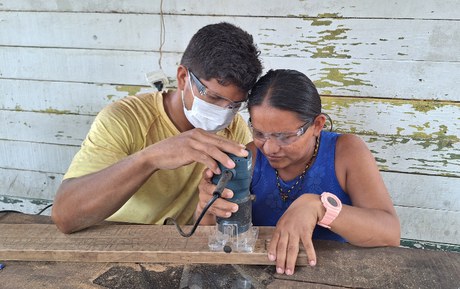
388	116
62	97
373	117
39	157
280	37
341	268
403	155
405	118
29	184
432	204
426	144
354	8
48	128
339	265
79	65
120	243
141	243
423	191
420	188
332	77
391	153
25	205
58	275
440	226
372	78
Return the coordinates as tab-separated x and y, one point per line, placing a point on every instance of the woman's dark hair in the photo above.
225	52
289	90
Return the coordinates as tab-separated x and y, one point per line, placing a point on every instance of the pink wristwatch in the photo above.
333	206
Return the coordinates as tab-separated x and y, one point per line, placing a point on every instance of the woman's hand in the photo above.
296	224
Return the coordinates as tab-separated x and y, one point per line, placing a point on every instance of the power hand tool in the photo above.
235	233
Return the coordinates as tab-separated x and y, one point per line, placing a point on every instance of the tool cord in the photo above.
225	178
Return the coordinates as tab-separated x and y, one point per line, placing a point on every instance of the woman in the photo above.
295	163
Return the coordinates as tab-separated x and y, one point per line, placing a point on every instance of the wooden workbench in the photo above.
110	255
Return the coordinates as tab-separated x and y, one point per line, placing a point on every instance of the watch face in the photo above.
332	201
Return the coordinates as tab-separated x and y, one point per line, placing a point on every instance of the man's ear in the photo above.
182	73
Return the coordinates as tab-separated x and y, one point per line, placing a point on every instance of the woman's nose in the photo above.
271	145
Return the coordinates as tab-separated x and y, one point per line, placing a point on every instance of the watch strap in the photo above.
333	207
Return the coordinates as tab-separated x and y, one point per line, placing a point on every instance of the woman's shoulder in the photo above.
351	148
350	141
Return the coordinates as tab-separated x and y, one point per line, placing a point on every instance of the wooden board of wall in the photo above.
387	72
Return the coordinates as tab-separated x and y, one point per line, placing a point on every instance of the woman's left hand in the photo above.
297	223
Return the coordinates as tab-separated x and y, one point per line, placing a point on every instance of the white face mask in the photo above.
207	116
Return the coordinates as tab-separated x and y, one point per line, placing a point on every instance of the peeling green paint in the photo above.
327	52
340	77
454	156
130	89
321	22
17	108
53	111
405	140
425	245
437	139
110	96
39	202
380	160
426	105
399	130
324	46
417	105
336	34
329	15
6	200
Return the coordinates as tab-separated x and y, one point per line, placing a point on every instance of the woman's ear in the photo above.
318	124
181	77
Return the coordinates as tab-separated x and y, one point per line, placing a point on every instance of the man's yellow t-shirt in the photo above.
128	126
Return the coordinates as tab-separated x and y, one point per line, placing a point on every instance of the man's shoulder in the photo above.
238	130
140	100
146	103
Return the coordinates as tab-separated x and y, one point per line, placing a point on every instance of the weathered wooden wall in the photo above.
387	72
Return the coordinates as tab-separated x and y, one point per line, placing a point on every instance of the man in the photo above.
144	155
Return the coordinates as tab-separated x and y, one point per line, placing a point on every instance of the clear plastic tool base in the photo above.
229	241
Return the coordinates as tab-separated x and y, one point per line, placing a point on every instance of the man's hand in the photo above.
296	224
117	183
221	207
195	145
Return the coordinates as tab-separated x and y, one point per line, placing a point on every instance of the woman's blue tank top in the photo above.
268	206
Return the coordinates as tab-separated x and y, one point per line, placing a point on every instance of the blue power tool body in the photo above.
239	184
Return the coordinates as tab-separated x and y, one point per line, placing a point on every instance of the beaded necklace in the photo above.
285	195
